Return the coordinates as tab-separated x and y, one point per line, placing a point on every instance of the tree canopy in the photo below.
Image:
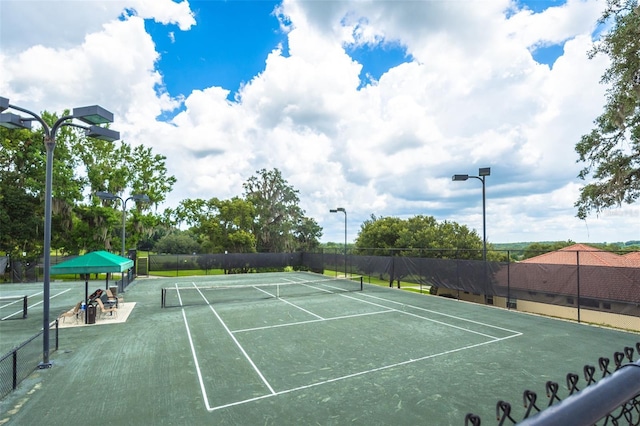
379	234
267	218
279	221
82	166
611	150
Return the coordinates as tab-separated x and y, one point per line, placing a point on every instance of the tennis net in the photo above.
13	307
204	295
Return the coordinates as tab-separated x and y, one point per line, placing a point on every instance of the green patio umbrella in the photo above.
95	262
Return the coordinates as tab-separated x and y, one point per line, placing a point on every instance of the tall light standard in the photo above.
483	172
341	209
91	115
109	196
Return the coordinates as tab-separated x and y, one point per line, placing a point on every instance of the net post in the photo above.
24	307
163	295
361	284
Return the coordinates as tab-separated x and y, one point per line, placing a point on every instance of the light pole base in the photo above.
45	365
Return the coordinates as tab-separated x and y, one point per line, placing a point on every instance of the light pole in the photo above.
483	172
91	115
341	209
109	196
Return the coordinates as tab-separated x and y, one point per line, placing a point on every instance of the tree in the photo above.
230	229
418	232
381	234
179	242
20	225
611	150
81	165
277	210
307	234
148	174
220	225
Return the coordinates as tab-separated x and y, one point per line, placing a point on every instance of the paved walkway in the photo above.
124	309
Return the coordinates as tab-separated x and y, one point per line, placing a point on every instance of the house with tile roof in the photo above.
578	282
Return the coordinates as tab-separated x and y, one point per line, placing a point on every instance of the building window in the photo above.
590	303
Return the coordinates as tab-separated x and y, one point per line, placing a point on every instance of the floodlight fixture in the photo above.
140	197
14	121
93	114
106	196
460	177
484	171
102	133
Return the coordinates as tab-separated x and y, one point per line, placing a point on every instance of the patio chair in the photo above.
117	299
103	310
71	313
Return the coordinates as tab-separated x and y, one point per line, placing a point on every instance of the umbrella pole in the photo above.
86	301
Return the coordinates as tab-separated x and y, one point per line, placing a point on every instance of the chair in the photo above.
71	313
117	299
112	310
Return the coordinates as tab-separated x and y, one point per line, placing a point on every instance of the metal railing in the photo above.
20	362
614	398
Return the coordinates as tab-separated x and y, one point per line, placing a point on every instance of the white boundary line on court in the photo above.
267	327
360	373
246	355
272	392
286	301
35	304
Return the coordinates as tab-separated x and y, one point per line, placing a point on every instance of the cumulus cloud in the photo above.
469	95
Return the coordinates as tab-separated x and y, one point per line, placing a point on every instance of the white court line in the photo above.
360	373
419	316
373	370
386	310
422	317
246	355
267	327
286	301
35	304
443	314
195	360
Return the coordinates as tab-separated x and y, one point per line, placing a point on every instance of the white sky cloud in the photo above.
472	97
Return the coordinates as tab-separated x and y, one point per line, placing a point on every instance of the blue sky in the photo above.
231	41
368	105
211	49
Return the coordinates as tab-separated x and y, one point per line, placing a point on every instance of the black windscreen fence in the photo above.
604	288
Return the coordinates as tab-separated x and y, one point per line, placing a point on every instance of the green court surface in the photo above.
380	356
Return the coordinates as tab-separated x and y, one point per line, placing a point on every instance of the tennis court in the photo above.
294	348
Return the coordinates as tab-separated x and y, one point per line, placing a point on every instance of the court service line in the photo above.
443	314
421	317
415	315
292	304
246	355
360	373
267	327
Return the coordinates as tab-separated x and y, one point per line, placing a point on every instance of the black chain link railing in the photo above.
21	361
555	410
